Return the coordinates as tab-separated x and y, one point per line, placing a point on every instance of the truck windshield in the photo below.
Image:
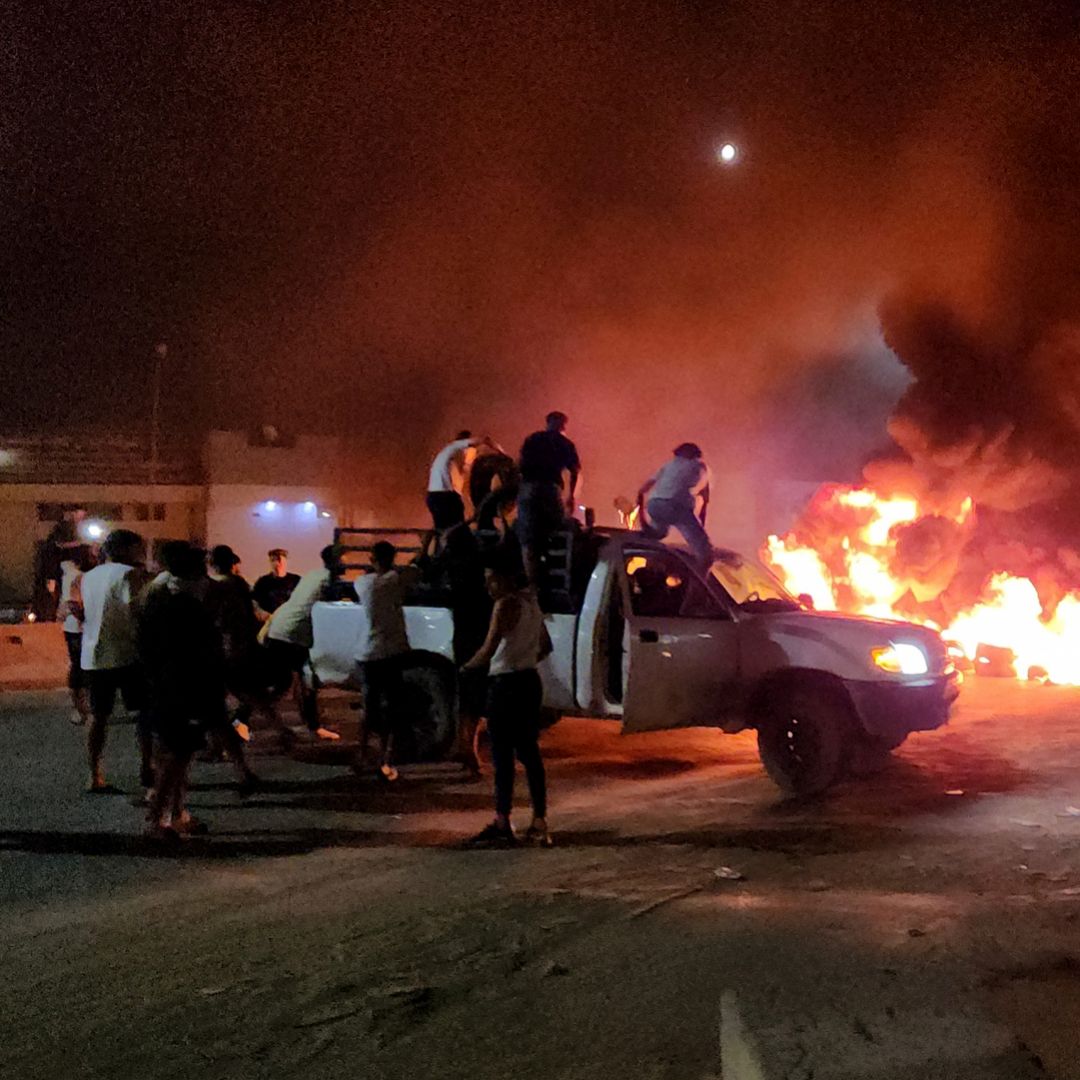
750	584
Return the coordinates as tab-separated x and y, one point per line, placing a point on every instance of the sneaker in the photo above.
388	774
494	836
326	733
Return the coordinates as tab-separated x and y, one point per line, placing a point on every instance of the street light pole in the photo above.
161	350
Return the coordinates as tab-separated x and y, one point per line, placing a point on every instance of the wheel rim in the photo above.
798	744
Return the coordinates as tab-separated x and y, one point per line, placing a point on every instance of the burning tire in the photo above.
428	710
801	737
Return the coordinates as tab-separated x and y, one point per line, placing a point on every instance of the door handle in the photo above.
650	637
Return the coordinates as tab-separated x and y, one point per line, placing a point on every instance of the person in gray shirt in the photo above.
677	489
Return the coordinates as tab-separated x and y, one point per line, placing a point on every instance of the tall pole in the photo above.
161	350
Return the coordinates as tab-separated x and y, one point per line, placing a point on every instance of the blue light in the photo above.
270	504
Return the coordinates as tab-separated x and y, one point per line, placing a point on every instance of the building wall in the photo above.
164	512
253	518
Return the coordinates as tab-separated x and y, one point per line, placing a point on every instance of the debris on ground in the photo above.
728	873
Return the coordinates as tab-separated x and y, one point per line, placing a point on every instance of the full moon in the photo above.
727	153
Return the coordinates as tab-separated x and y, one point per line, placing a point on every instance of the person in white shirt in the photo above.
446	481
70	613
678	489
288	638
381	648
109	654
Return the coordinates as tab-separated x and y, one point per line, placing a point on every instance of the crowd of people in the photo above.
195	653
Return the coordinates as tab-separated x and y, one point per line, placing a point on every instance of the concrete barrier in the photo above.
33	656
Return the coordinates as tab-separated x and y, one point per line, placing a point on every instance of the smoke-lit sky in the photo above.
397	219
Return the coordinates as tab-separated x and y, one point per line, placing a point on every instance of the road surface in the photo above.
920	924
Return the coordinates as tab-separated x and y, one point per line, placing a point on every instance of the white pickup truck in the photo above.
652	642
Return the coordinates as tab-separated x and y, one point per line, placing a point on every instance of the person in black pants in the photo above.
517	641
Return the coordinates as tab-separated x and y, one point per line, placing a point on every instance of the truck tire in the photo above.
801	738
428	711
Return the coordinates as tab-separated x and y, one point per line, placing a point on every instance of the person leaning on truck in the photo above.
550	470
381	650
675	491
289	639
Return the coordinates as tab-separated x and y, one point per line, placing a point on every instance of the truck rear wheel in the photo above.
801	738
428	712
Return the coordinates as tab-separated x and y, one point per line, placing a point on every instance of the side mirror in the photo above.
806	600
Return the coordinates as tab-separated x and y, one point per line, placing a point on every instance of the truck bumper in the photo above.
891	711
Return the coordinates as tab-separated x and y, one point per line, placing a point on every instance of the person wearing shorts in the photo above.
289	639
70	613
110	655
184	661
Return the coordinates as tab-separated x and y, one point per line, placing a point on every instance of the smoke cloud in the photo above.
395	220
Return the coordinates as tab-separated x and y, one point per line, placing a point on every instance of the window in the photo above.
662	586
159	511
142	511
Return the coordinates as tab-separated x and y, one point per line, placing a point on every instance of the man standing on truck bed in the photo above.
446	482
550	470
676	488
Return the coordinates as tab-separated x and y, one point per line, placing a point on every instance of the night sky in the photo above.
396	219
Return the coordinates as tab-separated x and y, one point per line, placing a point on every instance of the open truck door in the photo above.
680	650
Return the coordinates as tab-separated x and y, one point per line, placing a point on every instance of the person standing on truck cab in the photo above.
516	642
676	490
381	651
550	471
446	481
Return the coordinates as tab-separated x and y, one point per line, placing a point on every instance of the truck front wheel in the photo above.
801	738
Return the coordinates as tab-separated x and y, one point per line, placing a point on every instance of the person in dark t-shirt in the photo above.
550	471
273	589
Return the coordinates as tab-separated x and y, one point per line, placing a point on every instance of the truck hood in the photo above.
833	642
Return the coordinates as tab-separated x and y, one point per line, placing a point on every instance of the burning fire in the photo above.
887	556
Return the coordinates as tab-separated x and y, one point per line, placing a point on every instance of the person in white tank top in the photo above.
516	643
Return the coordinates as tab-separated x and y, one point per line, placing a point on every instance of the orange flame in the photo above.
853	567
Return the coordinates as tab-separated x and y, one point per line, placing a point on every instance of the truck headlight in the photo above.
900	658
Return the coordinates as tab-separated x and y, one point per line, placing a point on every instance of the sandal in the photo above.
538	837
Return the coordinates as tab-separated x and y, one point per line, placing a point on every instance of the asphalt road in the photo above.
919	924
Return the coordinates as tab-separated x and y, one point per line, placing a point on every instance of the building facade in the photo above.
248	490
